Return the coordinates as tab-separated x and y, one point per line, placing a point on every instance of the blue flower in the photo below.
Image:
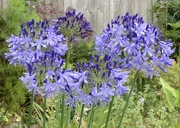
33	41
135	44
106	92
30	82
39	49
98	80
73	25
50	74
49	89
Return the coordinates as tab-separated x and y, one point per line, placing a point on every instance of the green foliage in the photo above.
80	51
172	94
13	94
11	17
168	15
170	86
145	110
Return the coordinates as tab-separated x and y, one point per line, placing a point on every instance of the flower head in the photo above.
33	41
135	44
74	25
100	80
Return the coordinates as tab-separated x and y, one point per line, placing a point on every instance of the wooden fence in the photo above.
98	12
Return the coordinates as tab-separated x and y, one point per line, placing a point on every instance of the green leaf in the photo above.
172	94
175	26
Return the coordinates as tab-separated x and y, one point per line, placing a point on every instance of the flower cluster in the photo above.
101	80
32	42
39	49
74	25
135	44
47	76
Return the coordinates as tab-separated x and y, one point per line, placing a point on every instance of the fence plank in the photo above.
100	12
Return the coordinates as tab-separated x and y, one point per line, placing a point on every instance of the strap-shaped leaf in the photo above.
172	94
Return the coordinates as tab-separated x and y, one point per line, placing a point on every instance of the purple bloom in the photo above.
33	41
98	81
135	44
106	91
48	89
50	74
30	82
38	43
120	90
73	25
39	49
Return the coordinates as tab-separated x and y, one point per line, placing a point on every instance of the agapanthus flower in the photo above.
33	40
135	44
74	25
100	80
47	77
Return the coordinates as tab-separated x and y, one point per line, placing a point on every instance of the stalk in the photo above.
91	117
127	101
44	113
30	111
68	54
109	112
58	111
63	96
62	111
82	110
68	114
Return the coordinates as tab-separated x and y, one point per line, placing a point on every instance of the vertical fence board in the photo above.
100	12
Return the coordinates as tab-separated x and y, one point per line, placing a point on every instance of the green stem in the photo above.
44	113
82	110
58	110
62	111
68	54
63	96
91	117
68	114
109	112
127	101
30	111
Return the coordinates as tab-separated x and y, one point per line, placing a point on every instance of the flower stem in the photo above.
68	115
127	101
91	117
68	54
63	96
109	112
82	110
30	111
44	113
62	111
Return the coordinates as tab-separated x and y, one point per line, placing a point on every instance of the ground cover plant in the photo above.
115	84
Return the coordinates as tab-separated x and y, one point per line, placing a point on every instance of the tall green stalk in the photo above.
63	96
109	112
82	110
62	111
44	113
127	101
68	115
68	54
57	107
91	117
31	108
